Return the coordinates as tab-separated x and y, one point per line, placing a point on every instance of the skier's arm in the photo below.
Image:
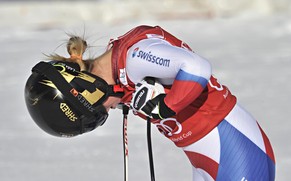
186	72
190	81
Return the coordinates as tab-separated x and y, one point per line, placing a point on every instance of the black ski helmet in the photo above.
63	101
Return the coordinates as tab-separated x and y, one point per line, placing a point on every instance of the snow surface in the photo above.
251	54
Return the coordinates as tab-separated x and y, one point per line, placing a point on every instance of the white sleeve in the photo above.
158	58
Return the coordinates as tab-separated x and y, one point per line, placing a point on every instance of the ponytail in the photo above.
76	47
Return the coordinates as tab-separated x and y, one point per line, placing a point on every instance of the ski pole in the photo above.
125	110
150	152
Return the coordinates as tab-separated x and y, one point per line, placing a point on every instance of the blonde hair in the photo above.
76	47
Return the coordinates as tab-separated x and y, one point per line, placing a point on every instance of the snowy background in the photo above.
248	43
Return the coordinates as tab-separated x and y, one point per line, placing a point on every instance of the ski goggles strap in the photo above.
63	86
116	91
111	90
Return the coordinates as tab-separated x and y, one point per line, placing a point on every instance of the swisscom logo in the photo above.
148	56
134	52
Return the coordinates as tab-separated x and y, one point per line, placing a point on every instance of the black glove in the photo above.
162	112
148	99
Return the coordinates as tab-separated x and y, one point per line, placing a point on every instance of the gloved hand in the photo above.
148	99
157	109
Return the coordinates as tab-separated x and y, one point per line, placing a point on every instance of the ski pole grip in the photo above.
125	109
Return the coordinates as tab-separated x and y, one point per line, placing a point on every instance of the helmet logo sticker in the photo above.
34	101
74	92
68	112
92	97
85	77
48	83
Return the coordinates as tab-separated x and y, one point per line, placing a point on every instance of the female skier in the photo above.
160	77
